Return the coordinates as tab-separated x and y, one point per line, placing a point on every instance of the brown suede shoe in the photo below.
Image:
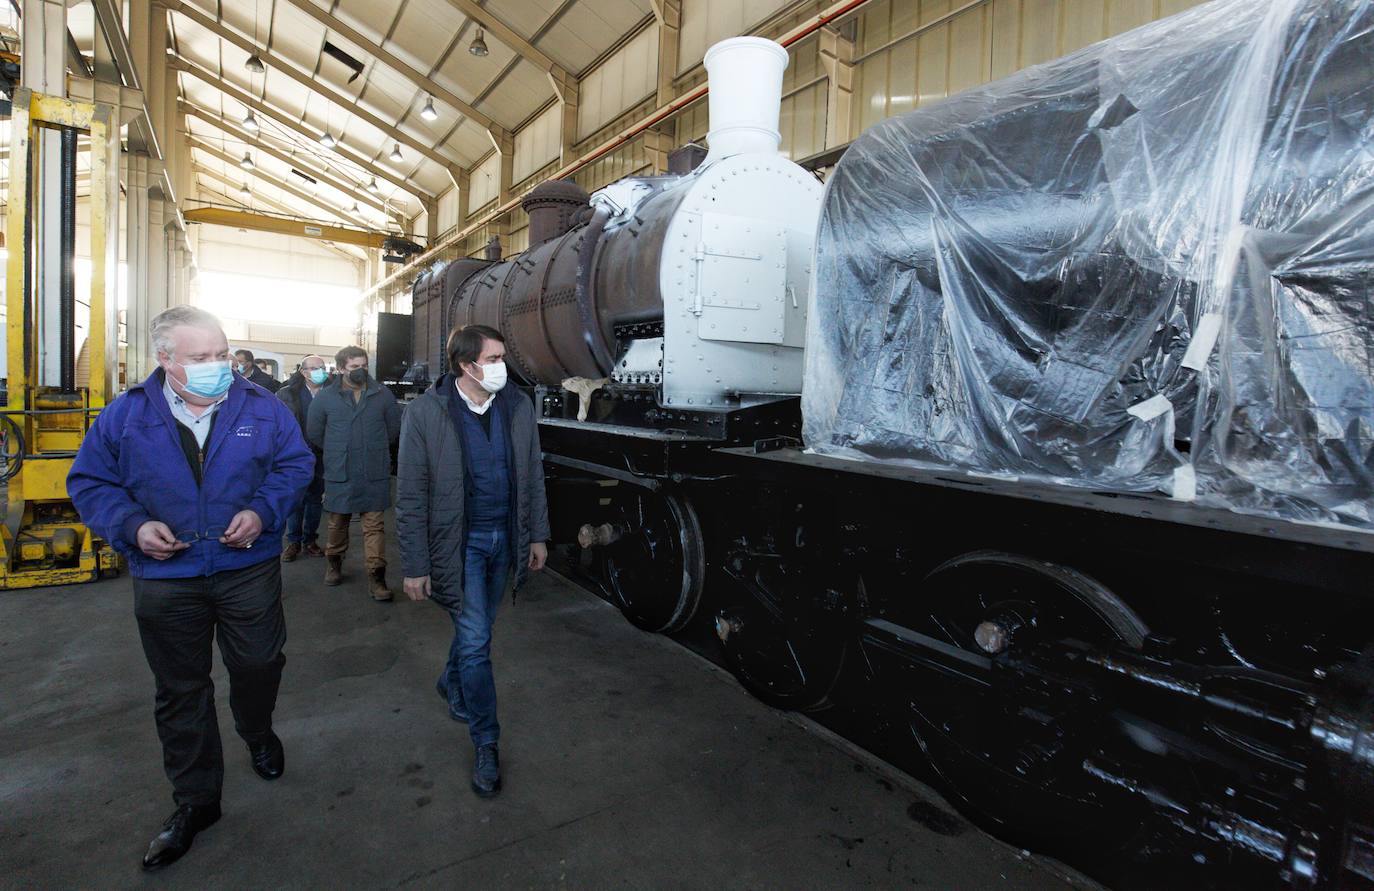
313	550
376	585
291	551
333	571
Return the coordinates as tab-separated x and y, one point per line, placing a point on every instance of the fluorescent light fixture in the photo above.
254	64
250	122
428	112
328	141
396	153
479	46
373	187
247	162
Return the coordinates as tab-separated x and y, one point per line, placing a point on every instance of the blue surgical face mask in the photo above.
318	376
209	380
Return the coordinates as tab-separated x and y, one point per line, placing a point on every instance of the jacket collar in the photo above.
445	385
336	381
240	390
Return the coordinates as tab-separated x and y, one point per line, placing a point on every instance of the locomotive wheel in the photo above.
781	636
1010	759
655	571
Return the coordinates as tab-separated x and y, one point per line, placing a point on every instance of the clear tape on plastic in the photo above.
1175	223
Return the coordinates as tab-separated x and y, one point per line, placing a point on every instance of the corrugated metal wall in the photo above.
705	22
484	183
627	161
913	52
626	77
538	142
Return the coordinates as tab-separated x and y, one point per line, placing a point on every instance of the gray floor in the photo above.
629	763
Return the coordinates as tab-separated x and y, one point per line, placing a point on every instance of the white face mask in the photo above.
493	377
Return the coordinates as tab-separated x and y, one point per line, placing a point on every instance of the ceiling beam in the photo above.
225	125
315	85
345	251
286	120
504	33
236	219
260	174
419	78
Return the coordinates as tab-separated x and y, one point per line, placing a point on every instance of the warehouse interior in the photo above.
950	422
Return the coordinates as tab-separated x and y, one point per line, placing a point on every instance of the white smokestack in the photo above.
745	74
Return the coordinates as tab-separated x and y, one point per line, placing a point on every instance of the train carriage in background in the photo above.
1081	364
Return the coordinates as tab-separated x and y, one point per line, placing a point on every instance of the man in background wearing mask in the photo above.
246	365
354	421
303	526
190	475
471	507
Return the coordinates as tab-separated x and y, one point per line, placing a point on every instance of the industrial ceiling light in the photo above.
250	122
244	192
428	112
373	187
479	46
328	141
247	162
396	153
355	210
254	64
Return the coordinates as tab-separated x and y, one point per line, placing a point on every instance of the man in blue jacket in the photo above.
191	476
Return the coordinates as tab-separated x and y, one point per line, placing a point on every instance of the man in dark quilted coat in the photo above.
470	512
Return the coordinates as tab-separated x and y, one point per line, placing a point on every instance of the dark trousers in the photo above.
176	620
303	526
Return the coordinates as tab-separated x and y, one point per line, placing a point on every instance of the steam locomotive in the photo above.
1046	422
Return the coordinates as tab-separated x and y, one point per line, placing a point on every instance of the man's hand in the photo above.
417	589
157	541
243	530
539	554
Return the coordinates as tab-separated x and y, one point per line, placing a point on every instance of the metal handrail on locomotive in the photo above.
1080	359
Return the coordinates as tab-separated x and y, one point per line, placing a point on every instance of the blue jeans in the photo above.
304	523
468	676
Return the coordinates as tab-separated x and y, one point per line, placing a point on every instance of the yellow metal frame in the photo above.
237	219
42	541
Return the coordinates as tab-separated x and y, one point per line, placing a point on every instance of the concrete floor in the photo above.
628	763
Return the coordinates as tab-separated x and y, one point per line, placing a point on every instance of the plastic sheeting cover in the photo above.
1142	267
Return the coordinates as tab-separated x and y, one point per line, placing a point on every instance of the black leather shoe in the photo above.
178	833
458	714
268	756
486	772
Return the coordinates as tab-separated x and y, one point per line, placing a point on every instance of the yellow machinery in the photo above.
43	541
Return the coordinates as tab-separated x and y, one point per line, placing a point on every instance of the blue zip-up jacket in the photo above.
131	469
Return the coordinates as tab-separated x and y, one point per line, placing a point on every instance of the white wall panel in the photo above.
705	22
624	79
448	210
912	52
539	142
484	182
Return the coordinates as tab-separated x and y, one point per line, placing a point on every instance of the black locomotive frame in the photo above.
1074	665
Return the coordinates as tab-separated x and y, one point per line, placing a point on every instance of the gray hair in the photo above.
185	315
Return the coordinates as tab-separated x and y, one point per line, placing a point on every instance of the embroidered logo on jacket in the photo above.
248	430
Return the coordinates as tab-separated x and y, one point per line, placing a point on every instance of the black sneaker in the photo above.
486	772
178	833
456	712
